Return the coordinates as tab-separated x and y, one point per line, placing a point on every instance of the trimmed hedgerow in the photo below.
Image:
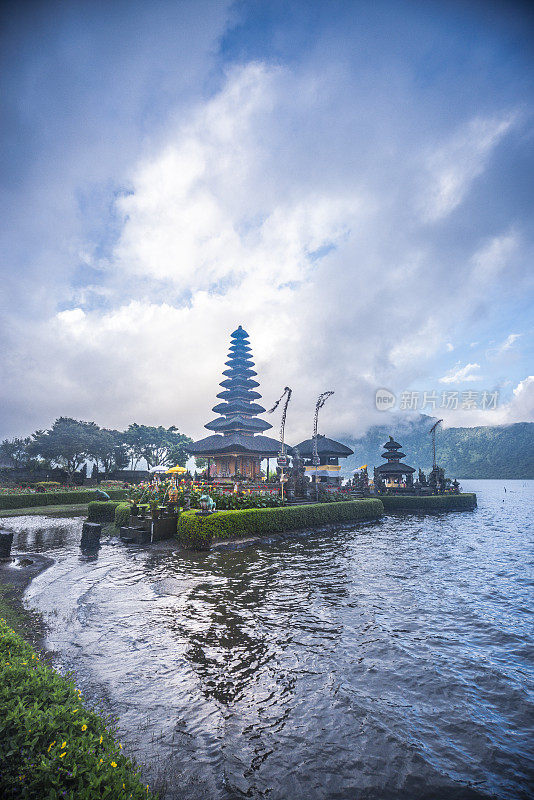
102	511
197	532
53	746
54	498
433	502
122	515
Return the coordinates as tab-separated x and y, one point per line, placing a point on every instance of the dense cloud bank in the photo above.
356	199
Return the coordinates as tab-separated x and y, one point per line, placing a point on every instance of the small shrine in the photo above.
328	471
237	447
394	474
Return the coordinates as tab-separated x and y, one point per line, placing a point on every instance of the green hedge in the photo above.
102	511
197	533
122	515
53	746
55	498
433	502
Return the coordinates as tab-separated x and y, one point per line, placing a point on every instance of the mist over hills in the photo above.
500	451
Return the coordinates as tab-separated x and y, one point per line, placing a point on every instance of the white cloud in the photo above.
520	408
241	216
458	374
196	217
454	166
491	259
504	347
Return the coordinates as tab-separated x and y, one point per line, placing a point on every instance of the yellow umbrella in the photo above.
177	469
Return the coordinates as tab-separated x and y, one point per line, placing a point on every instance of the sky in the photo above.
351	182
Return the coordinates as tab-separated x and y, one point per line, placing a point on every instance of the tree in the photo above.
134	440
68	443
178	451
165	446
15	451
109	449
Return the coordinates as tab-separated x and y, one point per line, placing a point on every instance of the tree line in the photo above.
70	443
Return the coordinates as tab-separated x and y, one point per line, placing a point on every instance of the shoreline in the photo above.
15	577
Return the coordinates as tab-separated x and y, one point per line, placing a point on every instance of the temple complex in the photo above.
237	447
329	451
394	473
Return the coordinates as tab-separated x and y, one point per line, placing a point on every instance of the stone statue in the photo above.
207	505
379	484
297	484
187	496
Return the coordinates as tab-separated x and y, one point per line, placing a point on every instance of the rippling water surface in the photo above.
388	660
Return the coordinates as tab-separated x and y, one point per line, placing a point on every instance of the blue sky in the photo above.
351	182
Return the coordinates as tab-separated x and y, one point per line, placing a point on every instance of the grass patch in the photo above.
197	533
73	510
53	746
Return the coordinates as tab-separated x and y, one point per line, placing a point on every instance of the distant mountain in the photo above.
501	451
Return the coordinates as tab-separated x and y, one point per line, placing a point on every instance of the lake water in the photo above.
385	660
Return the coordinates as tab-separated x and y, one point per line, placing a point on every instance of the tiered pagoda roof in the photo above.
238	413
328	448
393	455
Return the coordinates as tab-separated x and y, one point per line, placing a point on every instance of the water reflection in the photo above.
41	535
389	660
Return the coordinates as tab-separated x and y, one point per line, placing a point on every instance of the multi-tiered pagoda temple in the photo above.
238	446
394	473
328	471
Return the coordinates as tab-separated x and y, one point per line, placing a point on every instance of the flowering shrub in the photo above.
113	484
53	746
154	494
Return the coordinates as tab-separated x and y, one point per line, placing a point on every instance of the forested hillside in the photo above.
502	451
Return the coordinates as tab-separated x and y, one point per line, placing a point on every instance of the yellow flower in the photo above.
50	746
84	727
113	764
63	746
75	711
120	745
62	754
101	738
